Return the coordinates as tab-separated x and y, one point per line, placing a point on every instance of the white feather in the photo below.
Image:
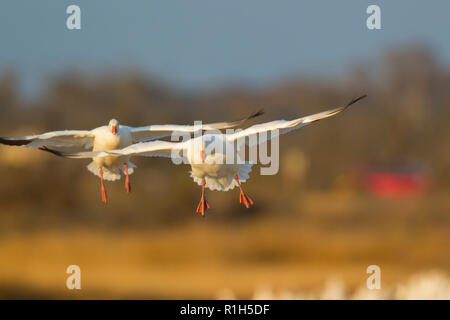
110	174
215	183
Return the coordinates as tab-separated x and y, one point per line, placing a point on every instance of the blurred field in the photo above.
313	222
198	259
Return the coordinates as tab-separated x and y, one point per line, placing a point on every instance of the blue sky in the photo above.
197	44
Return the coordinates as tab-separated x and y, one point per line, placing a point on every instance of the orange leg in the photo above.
127	179
203	204
104	199
243	197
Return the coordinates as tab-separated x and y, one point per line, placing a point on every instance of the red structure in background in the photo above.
396	184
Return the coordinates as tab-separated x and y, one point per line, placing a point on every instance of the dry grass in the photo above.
199	259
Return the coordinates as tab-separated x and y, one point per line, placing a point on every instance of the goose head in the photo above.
113	126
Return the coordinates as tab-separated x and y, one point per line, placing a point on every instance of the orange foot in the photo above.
203	204
243	197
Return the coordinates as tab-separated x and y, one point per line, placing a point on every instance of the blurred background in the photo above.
368	187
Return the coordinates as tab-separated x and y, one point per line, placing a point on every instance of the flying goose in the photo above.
111	137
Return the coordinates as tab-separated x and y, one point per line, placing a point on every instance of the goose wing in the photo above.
143	149
153	132
285	126
67	138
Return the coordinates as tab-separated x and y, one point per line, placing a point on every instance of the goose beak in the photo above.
114	129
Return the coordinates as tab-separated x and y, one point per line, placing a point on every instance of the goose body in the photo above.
214	168
111	165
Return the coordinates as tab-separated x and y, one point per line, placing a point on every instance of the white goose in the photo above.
111	137
209	169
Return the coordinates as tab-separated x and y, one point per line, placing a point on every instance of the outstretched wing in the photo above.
284	126
68	138
153	132
143	149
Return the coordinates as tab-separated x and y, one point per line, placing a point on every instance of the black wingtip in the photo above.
356	100
256	114
55	152
11	142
